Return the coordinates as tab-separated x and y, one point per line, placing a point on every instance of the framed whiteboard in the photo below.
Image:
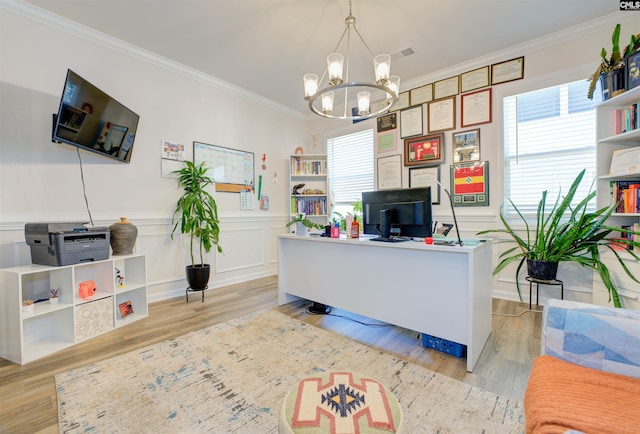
232	170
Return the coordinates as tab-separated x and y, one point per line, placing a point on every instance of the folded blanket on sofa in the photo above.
563	396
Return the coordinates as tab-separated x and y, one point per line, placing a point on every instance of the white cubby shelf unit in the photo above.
28	336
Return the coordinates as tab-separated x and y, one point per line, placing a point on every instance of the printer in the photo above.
66	243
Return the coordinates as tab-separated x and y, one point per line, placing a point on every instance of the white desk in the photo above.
444	291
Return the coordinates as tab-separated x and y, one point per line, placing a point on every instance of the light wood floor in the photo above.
28	395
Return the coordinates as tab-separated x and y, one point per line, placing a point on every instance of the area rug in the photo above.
233	377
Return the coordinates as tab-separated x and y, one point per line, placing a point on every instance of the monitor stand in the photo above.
390	239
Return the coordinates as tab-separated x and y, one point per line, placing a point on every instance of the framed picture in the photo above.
475	79
389	172
447	87
508	70
420	151
470	184
387	122
442	115
421	95
386	141
632	69
466	146
125	308
402	103
475	108
426	177
411	122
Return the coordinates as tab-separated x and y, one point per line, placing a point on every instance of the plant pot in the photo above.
542	270
27	308
198	276
54	300
612	83
301	230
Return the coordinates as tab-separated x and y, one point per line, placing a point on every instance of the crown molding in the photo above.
606	22
87	33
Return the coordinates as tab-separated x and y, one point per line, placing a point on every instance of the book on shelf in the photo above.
626	193
308	167
624	120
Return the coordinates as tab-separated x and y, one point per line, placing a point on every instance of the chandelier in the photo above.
373	98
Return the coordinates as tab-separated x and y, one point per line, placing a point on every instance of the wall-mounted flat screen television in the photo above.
90	119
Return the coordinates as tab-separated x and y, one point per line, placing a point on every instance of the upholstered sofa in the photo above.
587	378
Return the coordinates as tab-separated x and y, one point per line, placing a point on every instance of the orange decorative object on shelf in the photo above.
87	289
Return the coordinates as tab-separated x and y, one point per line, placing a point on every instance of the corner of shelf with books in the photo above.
309	187
618	179
618	145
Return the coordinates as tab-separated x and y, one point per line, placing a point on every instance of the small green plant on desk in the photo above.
301	218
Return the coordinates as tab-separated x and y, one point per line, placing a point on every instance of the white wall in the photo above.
563	57
40	180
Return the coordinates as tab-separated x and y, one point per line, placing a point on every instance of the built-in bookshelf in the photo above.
309	187
47	327
618	179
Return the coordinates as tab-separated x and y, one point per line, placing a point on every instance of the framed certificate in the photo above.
426	177
411	122
508	70
389	172
421	95
442	115
402	103
476	108
386	141
474	79
447	87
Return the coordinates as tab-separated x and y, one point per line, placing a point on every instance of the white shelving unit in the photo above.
25	337
313	200
628	290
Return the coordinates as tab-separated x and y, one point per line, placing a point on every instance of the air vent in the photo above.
402	53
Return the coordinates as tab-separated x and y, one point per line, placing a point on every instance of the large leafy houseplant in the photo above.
196	213
567	233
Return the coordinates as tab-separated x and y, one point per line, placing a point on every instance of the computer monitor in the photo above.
397	213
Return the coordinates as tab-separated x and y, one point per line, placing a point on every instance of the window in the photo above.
549	136
350	162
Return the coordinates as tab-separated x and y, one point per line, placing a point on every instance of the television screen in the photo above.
90	119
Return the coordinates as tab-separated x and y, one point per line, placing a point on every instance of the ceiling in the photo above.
266	46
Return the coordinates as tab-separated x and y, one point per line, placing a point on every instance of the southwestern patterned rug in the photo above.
233	377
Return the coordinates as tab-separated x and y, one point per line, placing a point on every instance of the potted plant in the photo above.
566	233
27	305
54	295
196	214
610	72
303	224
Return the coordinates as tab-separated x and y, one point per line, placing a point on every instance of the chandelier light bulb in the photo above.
310	85
394	84
363	103
327	102
382	66
335	63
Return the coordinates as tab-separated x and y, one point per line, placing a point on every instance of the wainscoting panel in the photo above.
242	248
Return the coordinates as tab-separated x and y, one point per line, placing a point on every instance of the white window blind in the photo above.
549	136
350	164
